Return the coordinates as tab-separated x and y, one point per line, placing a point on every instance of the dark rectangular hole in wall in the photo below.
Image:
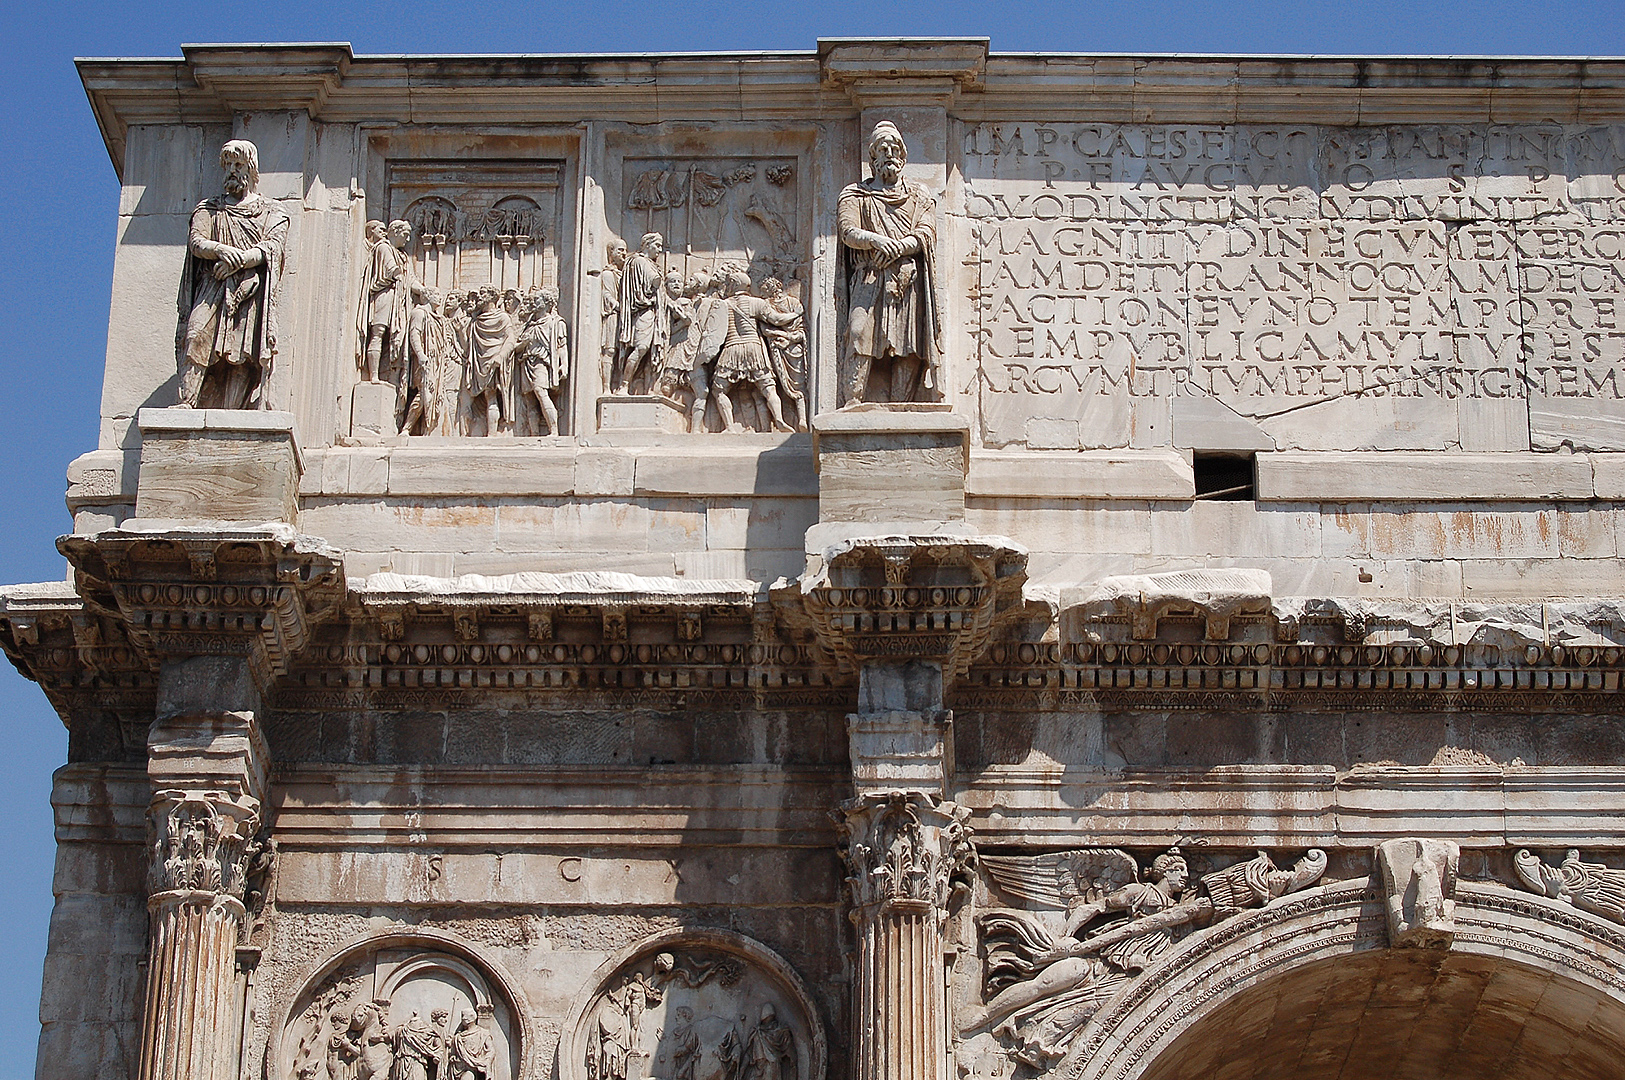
1224	477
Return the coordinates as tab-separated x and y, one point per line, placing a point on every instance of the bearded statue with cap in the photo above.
888	232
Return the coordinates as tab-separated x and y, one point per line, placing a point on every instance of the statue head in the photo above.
698	282
1170	870
615	252
547	298
240	159
439	1016
488	297
400	233
738	283
376	231
665	962
887	154
466	1019
769	1016
674	283
772	288
435	299
653	245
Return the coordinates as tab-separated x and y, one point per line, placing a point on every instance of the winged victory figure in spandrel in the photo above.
1045	976
1588	886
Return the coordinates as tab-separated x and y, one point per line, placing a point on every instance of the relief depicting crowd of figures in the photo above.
687	1018
482	361
719	333
349	1039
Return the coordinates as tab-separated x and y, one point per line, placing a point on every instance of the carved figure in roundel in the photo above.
697	1005
401	1014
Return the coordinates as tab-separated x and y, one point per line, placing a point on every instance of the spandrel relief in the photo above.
401	1015
1081	924
704	313
700	1006
459	307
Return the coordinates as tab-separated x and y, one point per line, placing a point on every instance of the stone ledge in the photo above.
1150	474
1410	475
785	470
500	469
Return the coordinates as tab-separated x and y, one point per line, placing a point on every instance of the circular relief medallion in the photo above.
694	1005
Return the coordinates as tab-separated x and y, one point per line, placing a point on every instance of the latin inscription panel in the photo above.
1336	288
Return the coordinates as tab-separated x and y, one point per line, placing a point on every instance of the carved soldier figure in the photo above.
488	377
642	325
343	1047
607	1059
435	374
768	1048
228	294
543	354
470	1050
387	291
888	231
609	291
787	347
743	358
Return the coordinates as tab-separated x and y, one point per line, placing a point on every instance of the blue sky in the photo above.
56	241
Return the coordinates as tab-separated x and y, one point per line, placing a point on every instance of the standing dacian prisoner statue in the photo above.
234	252
888	232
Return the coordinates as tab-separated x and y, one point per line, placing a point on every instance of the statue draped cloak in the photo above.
389	306
233	320
490	361
543	353
643	304
900	298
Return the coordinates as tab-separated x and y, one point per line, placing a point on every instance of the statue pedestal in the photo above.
644	414
372	409
217	465
900	463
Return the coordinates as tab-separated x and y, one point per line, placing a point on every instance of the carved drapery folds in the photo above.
907	853
1589	886
900	598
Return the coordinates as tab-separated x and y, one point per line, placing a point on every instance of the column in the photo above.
200	848
903	850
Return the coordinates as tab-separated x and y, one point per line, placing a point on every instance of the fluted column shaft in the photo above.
192	1019
904	850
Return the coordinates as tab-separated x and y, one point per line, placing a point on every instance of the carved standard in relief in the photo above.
228	296
1098	924
688	1007
705	315
888	231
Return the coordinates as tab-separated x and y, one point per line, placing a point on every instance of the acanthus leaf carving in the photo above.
904	848
201	842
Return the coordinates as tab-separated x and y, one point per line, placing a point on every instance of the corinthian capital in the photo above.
200	841
905	850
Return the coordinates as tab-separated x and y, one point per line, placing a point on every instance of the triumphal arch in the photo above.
890	562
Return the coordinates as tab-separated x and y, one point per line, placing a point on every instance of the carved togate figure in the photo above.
888	232
234	253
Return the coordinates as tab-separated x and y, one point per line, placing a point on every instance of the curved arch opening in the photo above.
1404	1014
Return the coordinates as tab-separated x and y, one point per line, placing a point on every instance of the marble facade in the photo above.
896	562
